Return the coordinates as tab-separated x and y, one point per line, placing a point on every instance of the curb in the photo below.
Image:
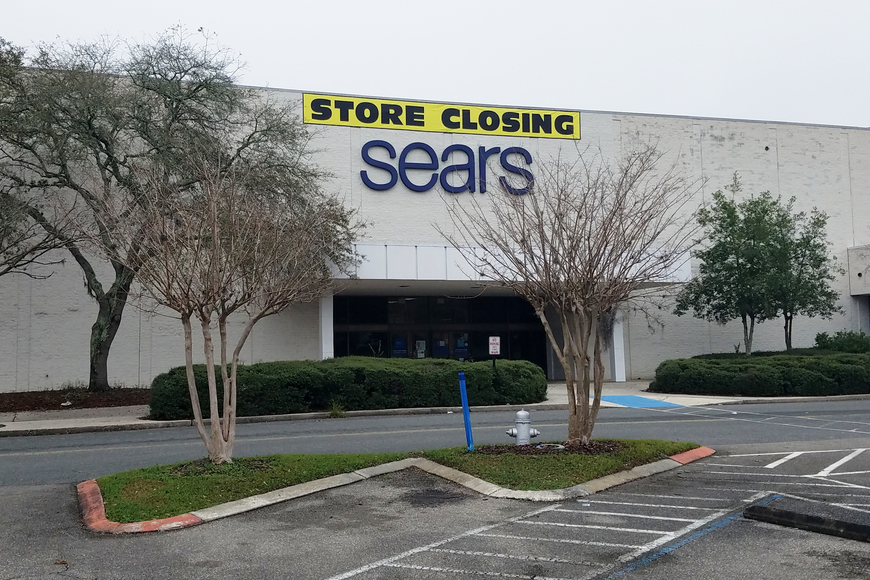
810	523
143	424
146	424
94	515
94	512
767	400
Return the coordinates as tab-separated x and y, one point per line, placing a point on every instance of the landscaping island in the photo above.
166	491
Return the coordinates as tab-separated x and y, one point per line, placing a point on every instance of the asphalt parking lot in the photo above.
681	524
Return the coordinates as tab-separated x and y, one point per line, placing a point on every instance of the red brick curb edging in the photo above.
693	455
94	515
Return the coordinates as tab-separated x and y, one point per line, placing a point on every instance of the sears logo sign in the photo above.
464	168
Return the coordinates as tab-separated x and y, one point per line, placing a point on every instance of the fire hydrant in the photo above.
523	430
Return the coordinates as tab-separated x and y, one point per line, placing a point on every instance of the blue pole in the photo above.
465	415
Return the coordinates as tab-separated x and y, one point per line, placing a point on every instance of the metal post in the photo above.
465	414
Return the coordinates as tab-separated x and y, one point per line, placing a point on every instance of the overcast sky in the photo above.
783	60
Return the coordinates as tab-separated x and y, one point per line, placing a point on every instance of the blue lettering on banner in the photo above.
508	159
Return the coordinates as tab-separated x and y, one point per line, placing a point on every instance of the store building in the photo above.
399	163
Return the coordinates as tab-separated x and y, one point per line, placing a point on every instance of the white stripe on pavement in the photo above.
827	471
779	462
473	572
625	515
559	540
591	527
653	505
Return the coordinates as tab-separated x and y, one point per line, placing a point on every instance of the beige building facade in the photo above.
399	163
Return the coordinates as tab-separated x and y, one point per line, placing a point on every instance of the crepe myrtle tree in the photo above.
232	242
593	235
76	119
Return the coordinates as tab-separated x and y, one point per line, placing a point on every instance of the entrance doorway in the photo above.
437	327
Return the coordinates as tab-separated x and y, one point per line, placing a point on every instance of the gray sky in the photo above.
783	60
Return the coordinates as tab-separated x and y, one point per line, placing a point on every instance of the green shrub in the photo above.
354	383
772	375
844	341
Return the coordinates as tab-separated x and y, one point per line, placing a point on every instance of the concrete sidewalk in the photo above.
627	394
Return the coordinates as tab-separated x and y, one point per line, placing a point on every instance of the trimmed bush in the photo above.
844	341
355	383
765	376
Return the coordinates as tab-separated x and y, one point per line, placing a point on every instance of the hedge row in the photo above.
767	376
355	383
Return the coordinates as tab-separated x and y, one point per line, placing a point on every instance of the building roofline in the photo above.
590	111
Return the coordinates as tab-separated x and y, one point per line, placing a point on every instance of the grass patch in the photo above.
556	470
170	490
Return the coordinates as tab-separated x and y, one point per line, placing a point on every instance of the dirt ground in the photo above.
73	398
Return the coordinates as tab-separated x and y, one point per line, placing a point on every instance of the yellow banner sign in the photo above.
440	118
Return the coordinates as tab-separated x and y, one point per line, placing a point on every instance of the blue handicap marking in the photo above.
635	401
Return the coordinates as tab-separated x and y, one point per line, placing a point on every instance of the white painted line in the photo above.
779	462
515	557
558	540
777	483
652	505
843	430
473	572
693	526
827	471
757	474
437	544
592	527
811	500
675	497
839	473
624	515
786	452
845	483
715	464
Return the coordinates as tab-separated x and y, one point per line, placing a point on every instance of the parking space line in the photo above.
560	541
653	505
786	452
516	557
846	483
785	475
677	497
779	462
593	527
827	471
691	527
471	572
439	543
624	515
756	418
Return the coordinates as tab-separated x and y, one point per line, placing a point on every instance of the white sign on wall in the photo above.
495	345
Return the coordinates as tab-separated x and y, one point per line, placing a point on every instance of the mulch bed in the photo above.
591	448
78	398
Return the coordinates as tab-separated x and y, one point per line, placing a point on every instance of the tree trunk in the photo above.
748	330
788	324
111	308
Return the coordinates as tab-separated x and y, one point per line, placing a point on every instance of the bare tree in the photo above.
24	243
239	242
590	237
77	120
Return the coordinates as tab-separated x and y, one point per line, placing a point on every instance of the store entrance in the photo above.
437	327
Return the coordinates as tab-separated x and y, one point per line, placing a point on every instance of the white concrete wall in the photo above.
824	167
45	332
